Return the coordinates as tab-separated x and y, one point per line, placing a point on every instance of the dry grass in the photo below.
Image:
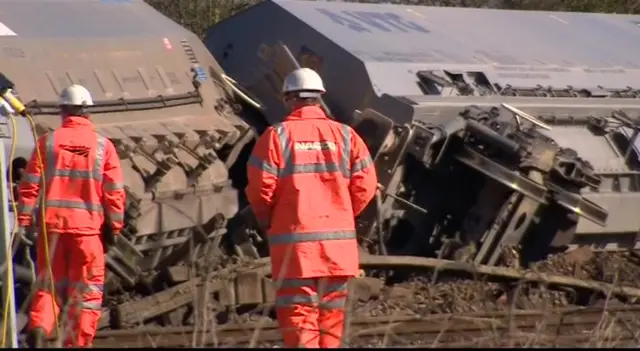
419	297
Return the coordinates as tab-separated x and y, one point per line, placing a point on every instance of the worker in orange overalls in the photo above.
309	176
83	188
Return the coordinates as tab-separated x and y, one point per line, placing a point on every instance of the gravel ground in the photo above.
418	296
620	268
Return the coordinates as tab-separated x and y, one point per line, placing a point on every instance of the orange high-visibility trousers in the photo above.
311	312
78	267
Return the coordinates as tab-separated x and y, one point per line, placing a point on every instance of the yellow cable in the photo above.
43	192
19	108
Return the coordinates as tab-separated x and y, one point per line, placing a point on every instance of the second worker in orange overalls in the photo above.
83	190
309	176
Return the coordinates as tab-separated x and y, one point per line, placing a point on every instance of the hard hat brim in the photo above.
300	91
310	94
71	103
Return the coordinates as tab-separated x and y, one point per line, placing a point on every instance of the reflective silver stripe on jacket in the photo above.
95	173
31	178
83	205
345	157
292	238
112	186
361	164
263	165
290	167
75	205
51	171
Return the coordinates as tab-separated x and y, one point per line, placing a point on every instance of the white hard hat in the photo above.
303	80
76	95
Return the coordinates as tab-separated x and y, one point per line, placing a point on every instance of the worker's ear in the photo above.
287	100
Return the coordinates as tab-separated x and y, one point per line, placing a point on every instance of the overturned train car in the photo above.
498	136
159	96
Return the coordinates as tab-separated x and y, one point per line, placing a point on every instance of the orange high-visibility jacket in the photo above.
309	177
82	178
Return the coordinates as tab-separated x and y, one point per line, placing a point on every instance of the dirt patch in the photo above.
419	297
365	289
617	268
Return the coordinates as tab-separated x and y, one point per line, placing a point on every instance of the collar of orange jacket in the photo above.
76	121
307	112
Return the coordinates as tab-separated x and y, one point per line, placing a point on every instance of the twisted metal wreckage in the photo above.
488	151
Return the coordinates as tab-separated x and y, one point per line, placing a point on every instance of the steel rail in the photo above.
440	328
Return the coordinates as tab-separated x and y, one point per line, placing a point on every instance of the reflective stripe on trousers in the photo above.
62	296
320	286
77	263
311	312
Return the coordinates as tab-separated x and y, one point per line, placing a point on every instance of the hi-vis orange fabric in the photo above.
311	311
78	266
308	177
84	181
83	188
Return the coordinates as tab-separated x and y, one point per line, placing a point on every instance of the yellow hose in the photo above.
19	108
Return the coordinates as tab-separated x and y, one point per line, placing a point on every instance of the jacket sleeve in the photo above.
113	194
30	185
364	180
262	175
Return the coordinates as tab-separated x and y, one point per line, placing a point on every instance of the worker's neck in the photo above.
72	120
298	106
73	116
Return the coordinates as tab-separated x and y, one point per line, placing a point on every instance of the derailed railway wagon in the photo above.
159	98
498	136
494	146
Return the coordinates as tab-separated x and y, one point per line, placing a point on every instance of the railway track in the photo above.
250	285
615	326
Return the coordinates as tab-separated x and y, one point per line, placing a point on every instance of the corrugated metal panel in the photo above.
380	32
83	19
518	48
